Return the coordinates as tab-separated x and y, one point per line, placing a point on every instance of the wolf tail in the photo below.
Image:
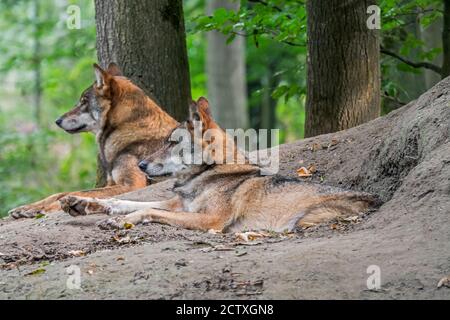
332	206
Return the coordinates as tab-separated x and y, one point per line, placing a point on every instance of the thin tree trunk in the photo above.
268	105
147	40
227	89
432	37
37	65
343	66
446	40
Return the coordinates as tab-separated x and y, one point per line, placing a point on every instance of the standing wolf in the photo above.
222	196
128	125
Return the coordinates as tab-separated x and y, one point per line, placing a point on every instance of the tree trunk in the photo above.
446	40
268	104
147	40
227	91
343	66
432	37
37	64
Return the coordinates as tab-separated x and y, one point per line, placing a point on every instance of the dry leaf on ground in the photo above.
312	168
77	253
332	143
315	147
445	281
303	172
125	239
250	235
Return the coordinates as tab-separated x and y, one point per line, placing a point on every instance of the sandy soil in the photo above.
403	157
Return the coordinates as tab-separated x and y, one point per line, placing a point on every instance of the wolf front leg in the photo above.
52	203
127	178
47	205
76	206
187	220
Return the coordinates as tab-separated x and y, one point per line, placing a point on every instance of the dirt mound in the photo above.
403	157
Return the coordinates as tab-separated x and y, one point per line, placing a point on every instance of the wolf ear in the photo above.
203	106
199	111
101	76
114	70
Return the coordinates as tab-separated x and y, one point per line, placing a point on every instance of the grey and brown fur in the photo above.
226	197
128	125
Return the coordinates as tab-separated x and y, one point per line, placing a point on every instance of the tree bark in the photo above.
227	90
343	66
147	40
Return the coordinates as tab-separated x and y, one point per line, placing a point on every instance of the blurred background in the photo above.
44	67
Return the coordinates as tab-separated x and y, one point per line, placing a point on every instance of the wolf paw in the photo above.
115	223
79	206
25	211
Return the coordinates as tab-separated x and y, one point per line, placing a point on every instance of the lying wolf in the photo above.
128	125
225	197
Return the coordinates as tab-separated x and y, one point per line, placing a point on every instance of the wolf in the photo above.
224	196
128	126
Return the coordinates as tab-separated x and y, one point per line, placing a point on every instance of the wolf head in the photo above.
86	115
197	141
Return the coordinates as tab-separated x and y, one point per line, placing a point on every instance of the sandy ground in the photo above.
403	157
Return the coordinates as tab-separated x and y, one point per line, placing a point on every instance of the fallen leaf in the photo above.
312	168
76	253
315	147
303	172
39	216
118	239
334	226
445	281
36	272
351	219
332	143
128	225
120	259
250	236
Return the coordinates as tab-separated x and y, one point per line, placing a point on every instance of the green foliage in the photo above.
276	54
37	158
281	20
284	23
400	24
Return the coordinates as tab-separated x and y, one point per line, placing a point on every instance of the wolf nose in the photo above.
143	165
58	122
